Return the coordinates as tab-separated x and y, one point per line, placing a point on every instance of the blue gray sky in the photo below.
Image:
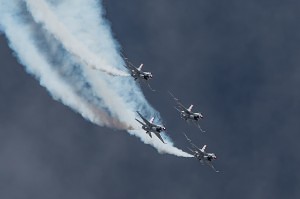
236	61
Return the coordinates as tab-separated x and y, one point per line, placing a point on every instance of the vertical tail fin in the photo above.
190	108
140	67
151	120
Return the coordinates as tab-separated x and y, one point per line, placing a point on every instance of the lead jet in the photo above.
138	74
187	114
149	127
202	155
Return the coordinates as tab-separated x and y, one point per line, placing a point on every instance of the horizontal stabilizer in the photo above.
149	133
158	135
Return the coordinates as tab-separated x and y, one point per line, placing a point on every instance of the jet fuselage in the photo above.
191	116
154	128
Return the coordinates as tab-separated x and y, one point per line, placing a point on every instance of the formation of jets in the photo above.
185	113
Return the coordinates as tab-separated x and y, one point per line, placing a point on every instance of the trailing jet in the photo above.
149	127
187	114
138	74
201	154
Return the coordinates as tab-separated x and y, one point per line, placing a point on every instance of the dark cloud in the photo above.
237	61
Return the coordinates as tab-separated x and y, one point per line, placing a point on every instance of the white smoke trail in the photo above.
22	43
42	14
119	96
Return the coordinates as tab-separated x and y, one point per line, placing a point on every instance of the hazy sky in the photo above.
236	61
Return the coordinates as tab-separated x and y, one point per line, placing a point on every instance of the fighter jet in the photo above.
149	127
186	113
138	74
201	154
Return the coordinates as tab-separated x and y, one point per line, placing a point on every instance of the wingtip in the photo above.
186	137
203	131
151	89
171	94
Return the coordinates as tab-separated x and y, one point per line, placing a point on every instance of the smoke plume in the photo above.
61	43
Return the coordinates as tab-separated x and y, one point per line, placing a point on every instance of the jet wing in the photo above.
144	119
211	166
130	66
198	126
159	136
198	149
187	138
180	106
171	94
140	122
191	150
135	70
193	145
